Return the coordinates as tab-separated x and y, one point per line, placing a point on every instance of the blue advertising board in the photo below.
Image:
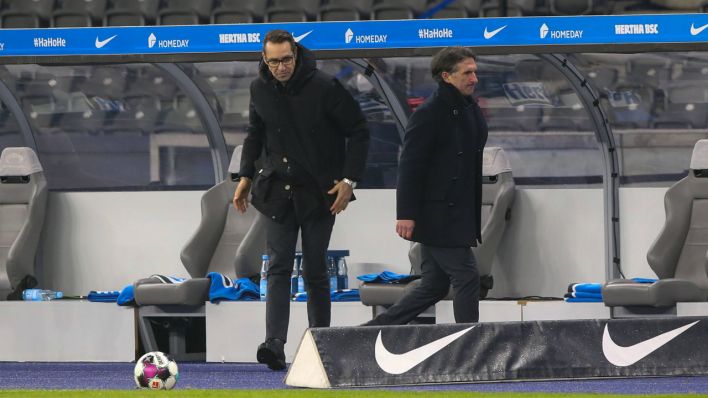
490	33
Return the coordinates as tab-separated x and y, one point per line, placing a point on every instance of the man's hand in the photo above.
344	195
241	194
404	228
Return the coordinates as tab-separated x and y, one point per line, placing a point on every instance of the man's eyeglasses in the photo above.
274	62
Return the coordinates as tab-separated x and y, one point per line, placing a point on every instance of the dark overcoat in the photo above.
440	171
310	131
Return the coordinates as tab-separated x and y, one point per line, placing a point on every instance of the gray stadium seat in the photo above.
70	19
227	16
124	17
225	242
19	19
363	6
571	7
171	16
148	8
95	8
498	193
338	13
203	8
42	8
391	12
23	202
254	7
285	14
678	255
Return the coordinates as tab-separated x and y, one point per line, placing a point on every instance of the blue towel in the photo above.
223	288
387	277
582	300
644	280
340	295
583	295
126	296
585	287
346	295
103	296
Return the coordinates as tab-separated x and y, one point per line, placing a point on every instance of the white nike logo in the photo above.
101	43
396	364
302	36
695	31
625	356
489	35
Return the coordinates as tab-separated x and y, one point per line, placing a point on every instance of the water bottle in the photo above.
264	276
294	279
40	295
301	278
342	274
332	270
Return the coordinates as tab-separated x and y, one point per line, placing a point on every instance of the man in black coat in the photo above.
439	192
313	141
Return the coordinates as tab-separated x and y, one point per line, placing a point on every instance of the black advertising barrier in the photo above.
421	354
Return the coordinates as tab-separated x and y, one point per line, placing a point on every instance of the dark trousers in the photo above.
282	240
441	267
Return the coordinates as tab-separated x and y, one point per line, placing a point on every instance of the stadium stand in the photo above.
69	13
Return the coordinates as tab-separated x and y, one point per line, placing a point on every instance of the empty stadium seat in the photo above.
19	19
148	8
498	193
123	17
285	14
226	16
338	13
451	11
678	255
571	7
363	6
42	8
254	7
225	241
171	16
95	8
391	12
23	202
309	7
202	8
71	19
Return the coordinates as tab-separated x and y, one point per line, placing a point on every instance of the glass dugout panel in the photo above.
123	126
532	112
657	107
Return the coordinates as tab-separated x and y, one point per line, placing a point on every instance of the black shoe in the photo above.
272	353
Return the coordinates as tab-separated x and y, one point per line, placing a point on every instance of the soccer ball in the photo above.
156	371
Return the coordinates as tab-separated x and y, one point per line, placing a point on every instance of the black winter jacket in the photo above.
313	125
440	171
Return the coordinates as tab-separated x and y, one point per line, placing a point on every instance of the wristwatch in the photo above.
349	182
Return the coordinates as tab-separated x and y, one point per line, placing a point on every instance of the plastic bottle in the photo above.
264	277
40	295
332	270
294	279
301	277
342	274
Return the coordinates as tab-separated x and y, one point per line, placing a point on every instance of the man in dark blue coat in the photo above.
313	141
439	192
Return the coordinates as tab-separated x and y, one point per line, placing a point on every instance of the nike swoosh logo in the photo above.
101	43
396	364
489	35
625	356
695	31
302	36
